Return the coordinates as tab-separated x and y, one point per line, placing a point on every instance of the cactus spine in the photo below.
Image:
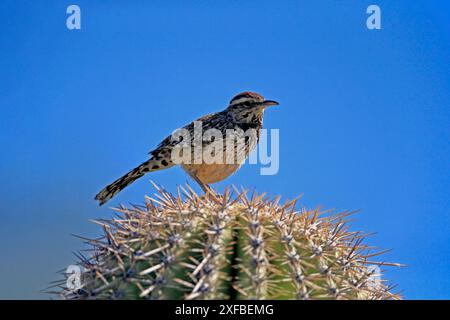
227	247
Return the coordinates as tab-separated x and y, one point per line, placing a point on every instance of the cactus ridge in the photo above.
188	246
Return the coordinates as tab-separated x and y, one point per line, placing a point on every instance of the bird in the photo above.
236	132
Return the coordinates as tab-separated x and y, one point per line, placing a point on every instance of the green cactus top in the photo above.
227	247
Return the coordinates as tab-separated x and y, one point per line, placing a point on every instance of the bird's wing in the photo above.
167	143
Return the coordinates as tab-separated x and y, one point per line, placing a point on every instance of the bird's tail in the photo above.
114	188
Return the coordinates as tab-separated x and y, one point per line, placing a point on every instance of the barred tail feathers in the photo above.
114	188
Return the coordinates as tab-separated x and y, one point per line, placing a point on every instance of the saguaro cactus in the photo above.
227	247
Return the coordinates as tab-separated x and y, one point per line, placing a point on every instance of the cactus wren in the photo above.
243	114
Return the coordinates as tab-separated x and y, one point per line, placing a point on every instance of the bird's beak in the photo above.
268	103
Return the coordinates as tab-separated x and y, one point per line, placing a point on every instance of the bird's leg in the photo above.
202	185
206	188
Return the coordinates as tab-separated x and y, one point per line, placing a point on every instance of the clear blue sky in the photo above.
364	117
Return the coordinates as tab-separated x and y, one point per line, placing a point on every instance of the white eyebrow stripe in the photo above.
240	100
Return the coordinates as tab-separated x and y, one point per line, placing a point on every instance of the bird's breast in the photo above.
211	173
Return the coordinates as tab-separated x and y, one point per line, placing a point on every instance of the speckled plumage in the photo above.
243	118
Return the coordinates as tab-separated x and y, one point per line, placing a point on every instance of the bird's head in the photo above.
250	100
247	103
